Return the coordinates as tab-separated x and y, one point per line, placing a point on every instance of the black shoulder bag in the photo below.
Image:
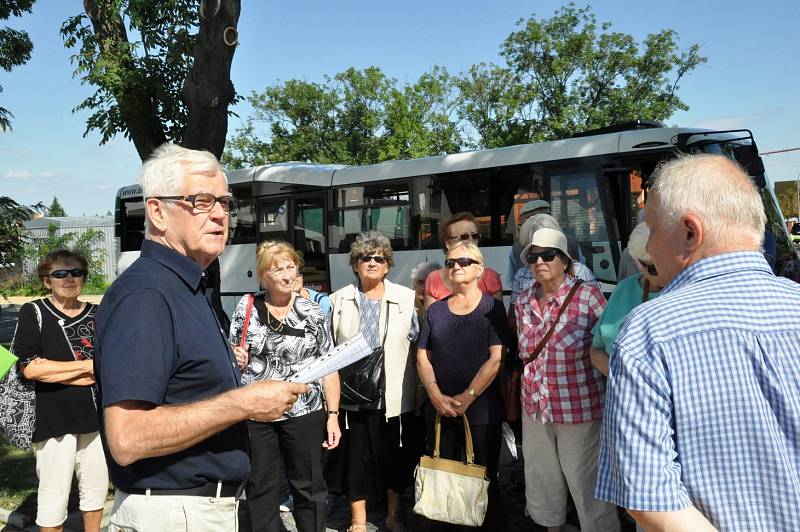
363	383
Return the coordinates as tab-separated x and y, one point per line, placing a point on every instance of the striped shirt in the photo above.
703	399
561	384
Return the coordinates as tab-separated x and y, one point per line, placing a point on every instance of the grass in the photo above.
17	479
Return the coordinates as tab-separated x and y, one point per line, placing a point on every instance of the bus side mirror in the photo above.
748	157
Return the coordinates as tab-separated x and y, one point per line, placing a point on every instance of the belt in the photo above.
209	489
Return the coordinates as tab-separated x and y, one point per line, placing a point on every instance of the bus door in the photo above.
300	220
581	202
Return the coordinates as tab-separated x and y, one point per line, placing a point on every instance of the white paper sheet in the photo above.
337	358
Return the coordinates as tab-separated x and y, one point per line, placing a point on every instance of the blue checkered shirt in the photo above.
703	399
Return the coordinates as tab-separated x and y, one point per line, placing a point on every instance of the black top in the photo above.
459	346
159	341
60	408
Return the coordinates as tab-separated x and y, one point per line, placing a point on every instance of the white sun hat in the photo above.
546	238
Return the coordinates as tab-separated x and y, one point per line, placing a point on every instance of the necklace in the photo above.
274	322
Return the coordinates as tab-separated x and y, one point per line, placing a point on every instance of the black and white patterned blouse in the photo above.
370	314
278	350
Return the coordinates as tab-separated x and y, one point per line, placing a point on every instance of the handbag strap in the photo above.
467	438
246	322
547	336
386	325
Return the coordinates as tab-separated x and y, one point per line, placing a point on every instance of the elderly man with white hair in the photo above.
630	292
702	421
173	412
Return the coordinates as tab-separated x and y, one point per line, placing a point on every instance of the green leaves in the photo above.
15	47
561	75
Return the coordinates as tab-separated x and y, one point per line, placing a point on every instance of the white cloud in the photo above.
18	174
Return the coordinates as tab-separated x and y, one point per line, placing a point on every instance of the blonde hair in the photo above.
270	251
469	249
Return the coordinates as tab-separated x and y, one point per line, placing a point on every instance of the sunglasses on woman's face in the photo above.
377	258
61	274
649	268
547	256
464	237
464	262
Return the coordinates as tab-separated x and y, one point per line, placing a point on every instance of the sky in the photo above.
751	80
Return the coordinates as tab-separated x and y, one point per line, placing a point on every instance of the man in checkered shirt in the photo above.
702	419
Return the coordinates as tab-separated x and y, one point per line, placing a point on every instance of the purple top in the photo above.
459	346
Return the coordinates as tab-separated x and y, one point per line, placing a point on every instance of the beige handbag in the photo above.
450	490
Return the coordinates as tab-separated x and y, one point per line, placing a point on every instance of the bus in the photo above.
596	183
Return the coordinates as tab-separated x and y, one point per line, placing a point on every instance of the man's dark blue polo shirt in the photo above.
158	340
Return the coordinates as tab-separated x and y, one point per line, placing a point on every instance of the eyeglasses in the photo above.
277	272
204	202
463	237
650	268
62	274
546	256
377	258
464	262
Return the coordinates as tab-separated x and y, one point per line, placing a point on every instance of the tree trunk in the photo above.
208	90
136	104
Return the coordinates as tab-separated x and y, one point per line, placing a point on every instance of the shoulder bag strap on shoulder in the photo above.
546	338
246	322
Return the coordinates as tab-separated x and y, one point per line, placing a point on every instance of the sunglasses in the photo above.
377	258
546	256
650	268
464	237
464	262
62	274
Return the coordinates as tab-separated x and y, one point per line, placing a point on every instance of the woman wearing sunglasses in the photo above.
630	292
460	227
55	345
376	456
460	350
562	393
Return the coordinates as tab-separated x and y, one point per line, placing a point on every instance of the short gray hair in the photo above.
370	242
533	224
423	269
637	243
162	174
714	188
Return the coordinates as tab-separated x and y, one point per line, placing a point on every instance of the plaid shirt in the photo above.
561	383
703	403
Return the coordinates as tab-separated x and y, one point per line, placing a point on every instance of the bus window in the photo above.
383	207
575	203
132	224
309	240
517	185
437	197
272	216
243	218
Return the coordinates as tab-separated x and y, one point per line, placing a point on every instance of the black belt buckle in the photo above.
209	489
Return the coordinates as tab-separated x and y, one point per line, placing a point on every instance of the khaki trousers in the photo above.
56	461
561	459
175	513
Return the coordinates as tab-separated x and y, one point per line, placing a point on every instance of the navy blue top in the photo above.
159	341
459	346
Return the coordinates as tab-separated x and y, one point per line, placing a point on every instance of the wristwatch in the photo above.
471	392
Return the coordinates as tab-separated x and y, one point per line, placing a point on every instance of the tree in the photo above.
788	200
55	208
354	117
172	84
568	74
15	47
12	217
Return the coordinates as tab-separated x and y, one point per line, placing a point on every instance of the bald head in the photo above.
716	190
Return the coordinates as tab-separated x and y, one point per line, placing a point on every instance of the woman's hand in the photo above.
334	432
465	401
445	405
242	355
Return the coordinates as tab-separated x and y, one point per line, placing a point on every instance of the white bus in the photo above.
595	183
